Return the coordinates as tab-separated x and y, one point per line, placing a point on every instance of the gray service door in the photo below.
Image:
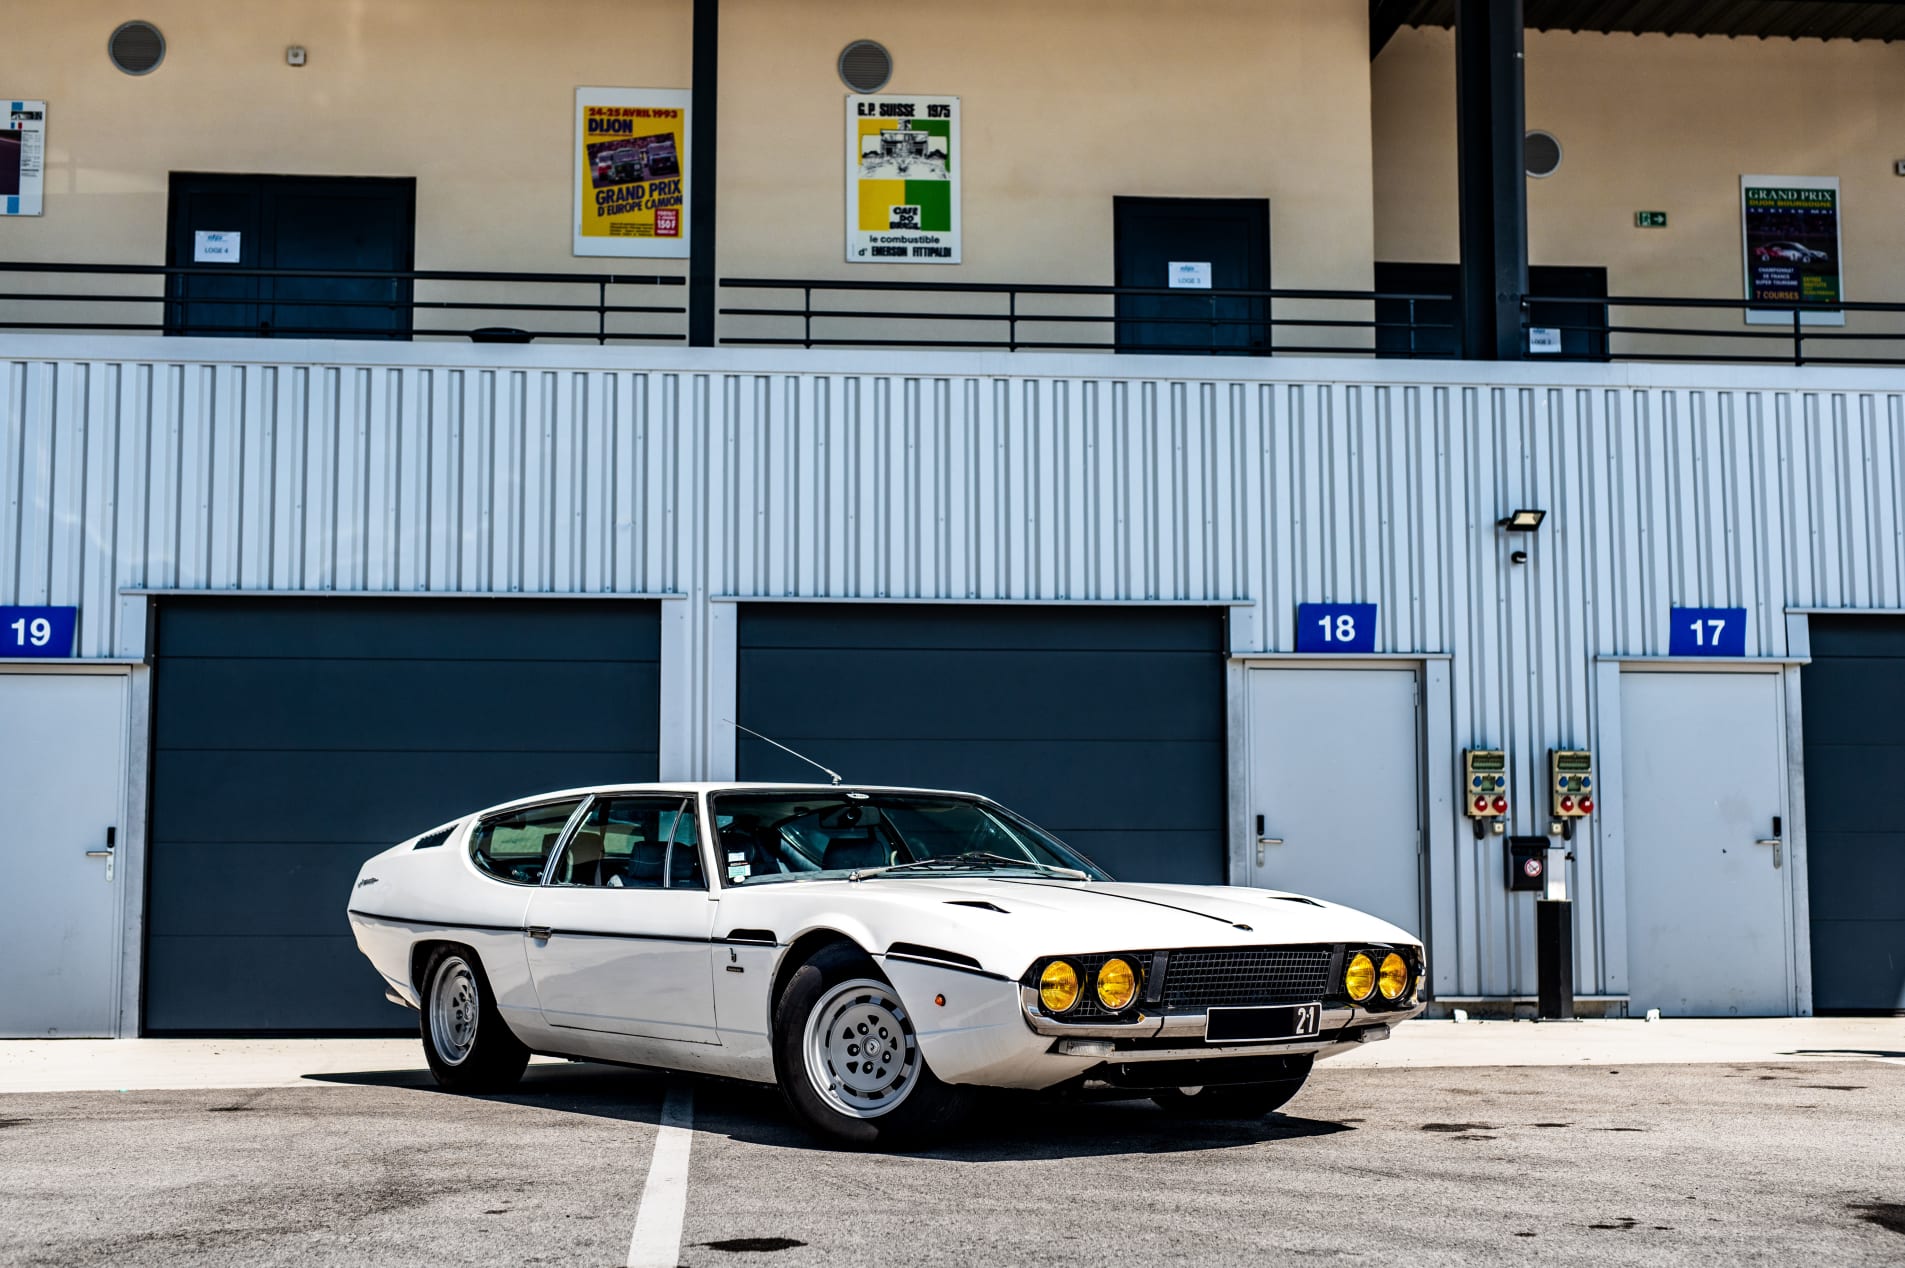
1709	907
1104	725
1854	693
1335	757
294	738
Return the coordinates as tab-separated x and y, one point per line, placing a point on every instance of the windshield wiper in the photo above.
975	860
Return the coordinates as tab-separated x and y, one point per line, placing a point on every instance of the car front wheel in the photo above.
847	1055
469	1047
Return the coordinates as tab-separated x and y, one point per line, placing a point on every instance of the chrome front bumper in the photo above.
1346	1025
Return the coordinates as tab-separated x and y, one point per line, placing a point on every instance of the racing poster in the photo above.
631	173
903	180
1791	231
22	158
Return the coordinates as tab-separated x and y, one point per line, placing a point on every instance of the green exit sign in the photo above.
1650	220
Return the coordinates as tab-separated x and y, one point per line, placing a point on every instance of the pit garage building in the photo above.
1209	617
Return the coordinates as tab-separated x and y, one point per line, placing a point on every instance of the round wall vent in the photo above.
136	48
1541	153
865	66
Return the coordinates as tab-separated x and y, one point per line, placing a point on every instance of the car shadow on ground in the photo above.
1002	1125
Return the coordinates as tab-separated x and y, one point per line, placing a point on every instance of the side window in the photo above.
634	843
514	847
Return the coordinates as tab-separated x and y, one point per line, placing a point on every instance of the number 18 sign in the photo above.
37	631
1707	632
1336	627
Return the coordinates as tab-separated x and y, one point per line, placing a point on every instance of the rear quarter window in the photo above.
514	847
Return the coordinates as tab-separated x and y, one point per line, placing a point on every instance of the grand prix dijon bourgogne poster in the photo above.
1790	228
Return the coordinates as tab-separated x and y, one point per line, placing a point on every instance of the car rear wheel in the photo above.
848	1059
1242	1100
465	1040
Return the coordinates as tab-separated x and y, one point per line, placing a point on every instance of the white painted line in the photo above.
657	1239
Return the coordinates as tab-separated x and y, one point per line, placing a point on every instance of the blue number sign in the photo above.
37	631
1707	632
1336	627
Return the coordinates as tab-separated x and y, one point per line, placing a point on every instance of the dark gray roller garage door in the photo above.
1104	724
1854	692
294	738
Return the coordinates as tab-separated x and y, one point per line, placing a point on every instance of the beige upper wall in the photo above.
1657	122
1065	104
474	98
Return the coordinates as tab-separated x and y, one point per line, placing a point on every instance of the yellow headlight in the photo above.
1117	984
1058	986
1360	977
1392	976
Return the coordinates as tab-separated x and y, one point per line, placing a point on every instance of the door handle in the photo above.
1263	841
1776	843
539	932
108	852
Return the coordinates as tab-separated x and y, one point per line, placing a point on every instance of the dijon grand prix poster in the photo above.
631	172
903	180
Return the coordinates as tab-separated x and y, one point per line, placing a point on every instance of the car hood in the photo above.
1007	923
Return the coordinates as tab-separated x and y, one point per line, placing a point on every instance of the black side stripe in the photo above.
573	933
913	953
434	924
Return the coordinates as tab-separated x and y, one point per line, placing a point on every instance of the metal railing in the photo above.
1793	336
1016	317
373	304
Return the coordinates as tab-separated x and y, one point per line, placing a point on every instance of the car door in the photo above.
618	936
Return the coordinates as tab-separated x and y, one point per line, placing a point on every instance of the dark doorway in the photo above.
1853	696
1231	237
345	224
293	738
1430	328
1114	738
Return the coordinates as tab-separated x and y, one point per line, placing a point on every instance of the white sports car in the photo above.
877	952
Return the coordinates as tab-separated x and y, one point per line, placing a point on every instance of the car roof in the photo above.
688	787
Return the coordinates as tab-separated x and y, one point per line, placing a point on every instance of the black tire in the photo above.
844	981
1241	1100
484	1058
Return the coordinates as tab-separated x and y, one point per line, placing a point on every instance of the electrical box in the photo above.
1527	859
1485	783
1571	782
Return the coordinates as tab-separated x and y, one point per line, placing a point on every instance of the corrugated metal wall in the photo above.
222	465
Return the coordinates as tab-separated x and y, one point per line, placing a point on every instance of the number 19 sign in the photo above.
1336	627
1707	632
37	631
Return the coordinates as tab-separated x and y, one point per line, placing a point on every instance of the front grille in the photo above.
1231	977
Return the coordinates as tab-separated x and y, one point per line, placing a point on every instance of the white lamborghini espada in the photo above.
879	953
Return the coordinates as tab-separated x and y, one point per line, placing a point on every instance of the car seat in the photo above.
849	850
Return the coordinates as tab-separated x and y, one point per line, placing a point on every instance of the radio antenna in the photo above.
783	748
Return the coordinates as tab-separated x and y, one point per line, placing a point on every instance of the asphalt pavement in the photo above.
1762	1162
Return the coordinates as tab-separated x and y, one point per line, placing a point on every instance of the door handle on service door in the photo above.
106	853
1775	841
1263	840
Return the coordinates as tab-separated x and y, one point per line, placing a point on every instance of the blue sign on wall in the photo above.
37	631
1707	632
1336	627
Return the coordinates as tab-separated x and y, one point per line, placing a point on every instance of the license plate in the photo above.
1288	1021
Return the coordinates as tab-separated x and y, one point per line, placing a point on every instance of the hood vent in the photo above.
1297	898
980	903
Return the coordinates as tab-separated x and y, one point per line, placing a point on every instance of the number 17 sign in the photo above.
1707	632
1336	627
37	631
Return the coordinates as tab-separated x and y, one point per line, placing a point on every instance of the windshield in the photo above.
783	836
